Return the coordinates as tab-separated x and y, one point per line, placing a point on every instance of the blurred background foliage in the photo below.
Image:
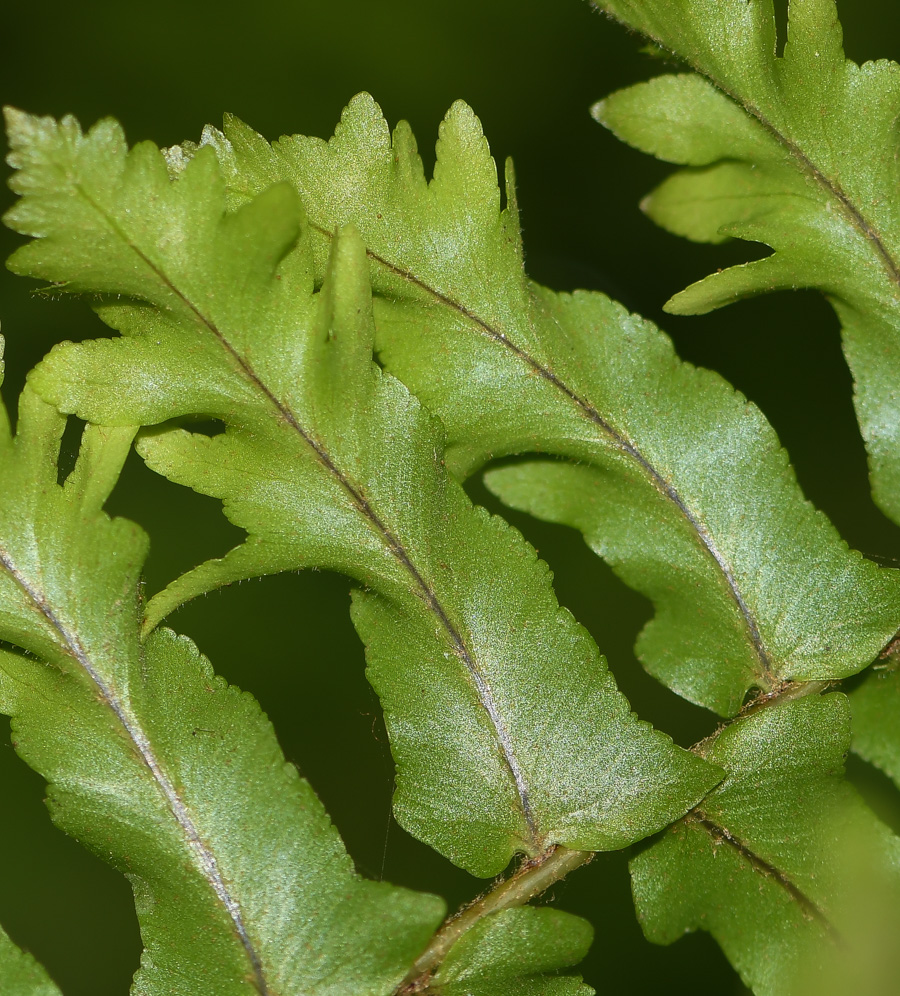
531	69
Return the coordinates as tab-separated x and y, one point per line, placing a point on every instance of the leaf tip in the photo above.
347	278
14	119
363	99
686	302
363	116
461	117
363	105
22	128
598	112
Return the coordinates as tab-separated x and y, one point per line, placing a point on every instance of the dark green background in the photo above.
531	69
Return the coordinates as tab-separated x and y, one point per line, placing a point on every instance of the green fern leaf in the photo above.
327	462
20	974
767	863
507	953
162	769
752	586
799	153
682	485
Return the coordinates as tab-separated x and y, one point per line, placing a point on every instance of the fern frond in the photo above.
162	769
682	484
508	731
799	152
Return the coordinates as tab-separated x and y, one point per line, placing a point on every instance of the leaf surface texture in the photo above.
164	770
508	731
681	483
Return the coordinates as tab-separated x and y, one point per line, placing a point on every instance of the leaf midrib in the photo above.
619	440
721	834
361	503
204	858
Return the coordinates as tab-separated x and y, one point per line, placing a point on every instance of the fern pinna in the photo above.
366	339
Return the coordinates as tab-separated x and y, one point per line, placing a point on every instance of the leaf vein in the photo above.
620	441
364	507
855	214
722	835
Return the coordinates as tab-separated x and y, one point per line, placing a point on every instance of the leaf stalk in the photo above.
533	877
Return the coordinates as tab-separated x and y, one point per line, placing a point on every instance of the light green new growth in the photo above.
799	152
327	462
511	367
